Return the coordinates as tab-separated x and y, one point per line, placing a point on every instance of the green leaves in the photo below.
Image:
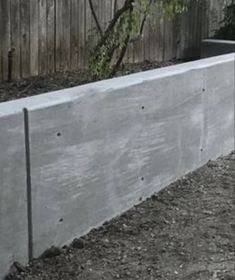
127	23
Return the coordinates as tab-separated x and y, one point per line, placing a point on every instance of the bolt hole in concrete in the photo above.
142	178
58	134
142	107
61	220
203	89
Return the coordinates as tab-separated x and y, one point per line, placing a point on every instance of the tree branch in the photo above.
121	56
127	6
95	18
115	7
132	40
123	51
145	18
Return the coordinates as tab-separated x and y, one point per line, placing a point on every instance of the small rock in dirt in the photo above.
78	243
212	164
11	273
51	252
15	269
20	268
38	265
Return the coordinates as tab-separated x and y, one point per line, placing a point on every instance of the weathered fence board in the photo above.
56	35
25	37
34	42
74	39
15	38
4	36
81	33
43	62
51	35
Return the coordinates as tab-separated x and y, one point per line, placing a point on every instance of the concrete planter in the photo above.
213	47
73	159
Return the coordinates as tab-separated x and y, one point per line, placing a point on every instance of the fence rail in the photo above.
44	36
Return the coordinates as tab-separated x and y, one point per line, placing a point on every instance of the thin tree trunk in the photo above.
95	18
121	56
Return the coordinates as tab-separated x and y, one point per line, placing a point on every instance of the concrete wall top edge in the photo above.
70	94
219	41
10	110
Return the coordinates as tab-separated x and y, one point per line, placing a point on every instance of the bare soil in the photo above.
185	232
61	80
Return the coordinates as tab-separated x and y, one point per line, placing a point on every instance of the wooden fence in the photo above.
43	36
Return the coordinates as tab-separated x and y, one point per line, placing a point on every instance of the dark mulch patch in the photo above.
61	80
185	232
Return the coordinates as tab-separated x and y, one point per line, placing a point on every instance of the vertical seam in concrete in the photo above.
28	184
204	106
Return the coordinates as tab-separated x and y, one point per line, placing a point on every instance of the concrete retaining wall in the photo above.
96	150
212	47
13	195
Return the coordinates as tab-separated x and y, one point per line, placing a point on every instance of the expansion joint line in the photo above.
28	184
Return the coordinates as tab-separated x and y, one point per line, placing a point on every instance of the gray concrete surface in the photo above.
98	149
13	204
99	153
213	47
219	113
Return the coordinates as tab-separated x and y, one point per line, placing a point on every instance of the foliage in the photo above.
126	26
227	31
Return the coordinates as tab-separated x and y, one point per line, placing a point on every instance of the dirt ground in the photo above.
185	232
61	80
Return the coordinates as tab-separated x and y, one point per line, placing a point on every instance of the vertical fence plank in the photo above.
65	42
58	31
81	18
43	61
15	38
34	40
169	38
1	36
50	35
206	6
93	32
191	17
100	15
160	39
87	31
182	44
138	50
153	38
175	37
74	40
25	38
1	51
131	53
5	36
188	34
194	42
126	57
199	28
